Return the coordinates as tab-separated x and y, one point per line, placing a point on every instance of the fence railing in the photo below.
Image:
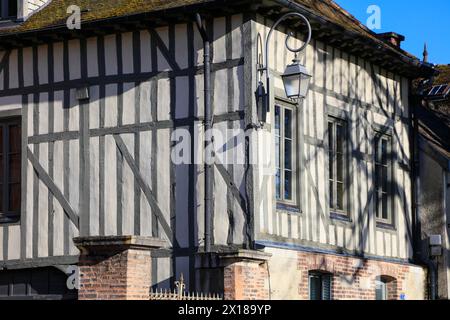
180	294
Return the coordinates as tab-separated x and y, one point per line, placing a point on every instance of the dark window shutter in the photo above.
326	287
314	287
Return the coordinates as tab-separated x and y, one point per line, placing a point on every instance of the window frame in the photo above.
7	217
282	201
345	212
377	201
321	276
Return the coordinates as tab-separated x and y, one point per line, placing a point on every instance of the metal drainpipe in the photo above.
208	126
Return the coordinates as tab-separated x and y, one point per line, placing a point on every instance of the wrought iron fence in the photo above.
180	294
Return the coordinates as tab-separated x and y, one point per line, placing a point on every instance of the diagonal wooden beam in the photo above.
145	188
5	60
45	178
165	52
232	186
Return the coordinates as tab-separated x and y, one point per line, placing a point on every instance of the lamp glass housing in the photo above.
296	81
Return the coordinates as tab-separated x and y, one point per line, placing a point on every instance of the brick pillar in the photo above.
238	275
245	275
116	267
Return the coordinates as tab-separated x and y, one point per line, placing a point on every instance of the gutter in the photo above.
208	135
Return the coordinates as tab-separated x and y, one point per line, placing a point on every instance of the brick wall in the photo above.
125	275
353	278
246	281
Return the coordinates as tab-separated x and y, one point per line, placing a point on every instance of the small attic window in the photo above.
8	9
437	90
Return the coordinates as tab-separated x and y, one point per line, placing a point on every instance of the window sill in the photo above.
12	220
386	226
288	208
341	217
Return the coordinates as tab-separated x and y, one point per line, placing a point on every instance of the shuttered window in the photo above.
285	160
320	286
337	168
383	178
10	170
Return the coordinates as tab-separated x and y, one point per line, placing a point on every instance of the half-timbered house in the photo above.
320	207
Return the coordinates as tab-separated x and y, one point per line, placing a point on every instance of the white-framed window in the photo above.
383	178
285	154
8	9
337	166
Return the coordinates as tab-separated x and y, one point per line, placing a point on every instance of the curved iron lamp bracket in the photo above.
265	67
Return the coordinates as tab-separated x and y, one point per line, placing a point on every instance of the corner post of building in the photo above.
116	267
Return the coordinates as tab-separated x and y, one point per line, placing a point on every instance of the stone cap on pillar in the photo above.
223	257
244	255
118	243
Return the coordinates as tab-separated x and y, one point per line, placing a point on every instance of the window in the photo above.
10	165
383	174
8	9
337	165
285	178
380	290
385	288
319	285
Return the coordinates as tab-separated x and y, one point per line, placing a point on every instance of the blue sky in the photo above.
418	20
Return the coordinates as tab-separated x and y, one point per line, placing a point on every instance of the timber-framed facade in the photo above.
97	168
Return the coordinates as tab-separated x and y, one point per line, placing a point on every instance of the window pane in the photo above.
330	136
378	176
278	184
14	168
340	196
14	197
377	151
384	151
1	170
277	152
377	204
1	198
385	206
339	138
384	178
288	154
340	167
288	185
12	8
331	166
14	138
331	200
277	120
287	123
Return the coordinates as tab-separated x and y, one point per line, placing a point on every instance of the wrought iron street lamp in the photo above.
296	78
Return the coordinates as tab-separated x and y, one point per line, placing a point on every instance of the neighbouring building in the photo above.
320	207
433	179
